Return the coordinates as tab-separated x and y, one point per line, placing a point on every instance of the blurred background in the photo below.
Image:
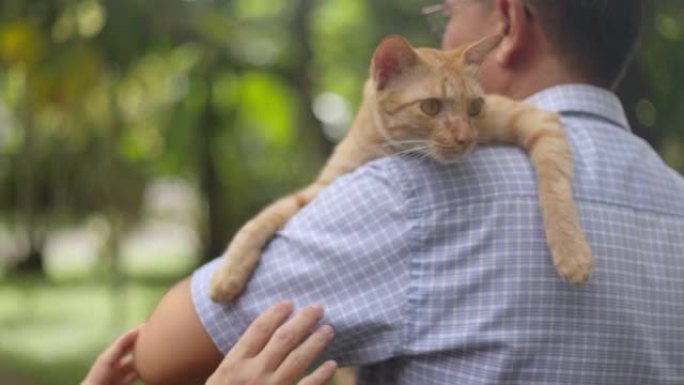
137	135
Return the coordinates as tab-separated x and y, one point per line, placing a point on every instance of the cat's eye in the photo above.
475	106
431	107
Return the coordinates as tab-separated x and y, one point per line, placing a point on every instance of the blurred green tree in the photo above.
242	98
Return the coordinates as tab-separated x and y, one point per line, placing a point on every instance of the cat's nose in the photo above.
462	139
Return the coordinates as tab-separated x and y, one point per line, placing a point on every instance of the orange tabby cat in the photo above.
429	101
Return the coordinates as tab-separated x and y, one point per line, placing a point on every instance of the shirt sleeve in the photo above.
348	250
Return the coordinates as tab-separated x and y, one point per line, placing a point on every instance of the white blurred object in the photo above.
334	112
75	251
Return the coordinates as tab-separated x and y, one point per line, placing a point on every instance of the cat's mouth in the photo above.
450	153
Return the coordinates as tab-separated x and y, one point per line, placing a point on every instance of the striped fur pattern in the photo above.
428	102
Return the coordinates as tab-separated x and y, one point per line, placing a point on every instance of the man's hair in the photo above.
596	37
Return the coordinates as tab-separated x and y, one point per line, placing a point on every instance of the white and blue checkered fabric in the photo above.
435	274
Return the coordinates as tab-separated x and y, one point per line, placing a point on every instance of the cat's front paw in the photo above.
225	286
575	269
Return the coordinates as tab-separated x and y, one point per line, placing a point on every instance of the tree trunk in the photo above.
310	128
26	189
215	230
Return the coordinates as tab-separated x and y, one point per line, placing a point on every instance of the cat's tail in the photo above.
541	134
244	251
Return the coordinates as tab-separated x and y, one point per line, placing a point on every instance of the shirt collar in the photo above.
582	99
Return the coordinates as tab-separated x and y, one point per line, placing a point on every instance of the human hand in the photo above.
270	353
115	366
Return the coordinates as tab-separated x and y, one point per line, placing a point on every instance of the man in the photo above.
437	274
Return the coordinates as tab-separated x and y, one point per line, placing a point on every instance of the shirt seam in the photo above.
494	197
414	209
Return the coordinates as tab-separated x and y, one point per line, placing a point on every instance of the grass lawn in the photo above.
51	330
50	333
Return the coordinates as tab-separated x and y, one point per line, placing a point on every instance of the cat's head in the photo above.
428	99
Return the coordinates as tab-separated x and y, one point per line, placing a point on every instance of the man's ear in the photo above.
393	57
475	54
514	27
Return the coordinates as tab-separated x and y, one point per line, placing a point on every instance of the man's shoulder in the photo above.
613	166
486	173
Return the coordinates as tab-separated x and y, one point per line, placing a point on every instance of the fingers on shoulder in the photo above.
321	375
260	331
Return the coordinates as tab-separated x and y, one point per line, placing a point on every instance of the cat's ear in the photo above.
475	54
393	57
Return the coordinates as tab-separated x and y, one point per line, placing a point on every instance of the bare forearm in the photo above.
173	347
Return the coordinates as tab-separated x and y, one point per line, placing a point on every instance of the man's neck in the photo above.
534	82
532	69
529	80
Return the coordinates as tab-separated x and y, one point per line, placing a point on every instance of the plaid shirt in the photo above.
434	274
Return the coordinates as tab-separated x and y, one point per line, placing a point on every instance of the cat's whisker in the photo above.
418	146
413	141
405	143
414	150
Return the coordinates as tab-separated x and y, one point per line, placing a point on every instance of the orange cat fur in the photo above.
429	101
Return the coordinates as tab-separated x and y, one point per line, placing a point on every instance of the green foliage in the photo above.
653	92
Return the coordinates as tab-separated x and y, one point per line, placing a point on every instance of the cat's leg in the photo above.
552	161
359	146
541	134
245	249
